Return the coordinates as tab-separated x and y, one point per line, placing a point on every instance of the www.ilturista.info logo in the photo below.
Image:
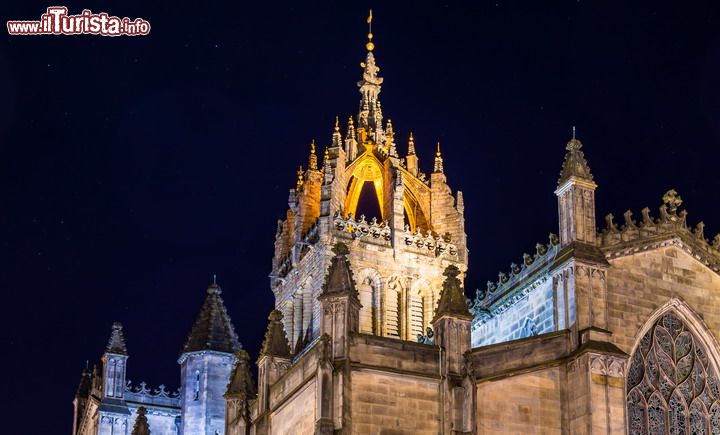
56	21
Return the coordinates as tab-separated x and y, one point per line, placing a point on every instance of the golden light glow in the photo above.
368	168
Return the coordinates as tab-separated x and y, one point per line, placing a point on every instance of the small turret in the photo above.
576	197
240	391
274	359
114	364
340	293
205	365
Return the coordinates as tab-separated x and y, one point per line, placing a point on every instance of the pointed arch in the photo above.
422	304
369	286
673	378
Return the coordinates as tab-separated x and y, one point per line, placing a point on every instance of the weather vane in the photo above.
370	45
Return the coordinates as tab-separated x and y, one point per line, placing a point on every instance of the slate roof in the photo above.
213	329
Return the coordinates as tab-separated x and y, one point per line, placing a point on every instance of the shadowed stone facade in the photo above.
106	402
610	331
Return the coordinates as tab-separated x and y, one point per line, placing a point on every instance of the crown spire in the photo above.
370	116
438	161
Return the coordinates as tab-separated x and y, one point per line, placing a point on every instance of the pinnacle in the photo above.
116	344
452	298
574	164
339	279
275	342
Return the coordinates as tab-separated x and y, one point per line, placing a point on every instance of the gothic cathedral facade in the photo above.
596	331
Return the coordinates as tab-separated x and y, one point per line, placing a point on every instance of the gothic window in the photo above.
196	396
393	308
671	386
417	314
368	291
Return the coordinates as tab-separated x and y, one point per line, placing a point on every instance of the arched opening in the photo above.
672	382
368	203
413	214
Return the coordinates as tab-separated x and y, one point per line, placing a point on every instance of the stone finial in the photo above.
671	201
312	159
370	116
574	164
390	139
647	221
339	279
242	385
141	423
452	298
411	145
275	342
610	223
116	344
629	221
438	161
336	136
300	178
350	135
700	231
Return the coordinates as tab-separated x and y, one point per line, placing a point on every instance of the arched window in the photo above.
368	291
417	314
672	388
393	308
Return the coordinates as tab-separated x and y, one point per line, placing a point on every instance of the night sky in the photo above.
135	168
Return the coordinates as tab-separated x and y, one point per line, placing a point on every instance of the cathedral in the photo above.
594	331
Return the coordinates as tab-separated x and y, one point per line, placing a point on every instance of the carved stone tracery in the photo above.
672	387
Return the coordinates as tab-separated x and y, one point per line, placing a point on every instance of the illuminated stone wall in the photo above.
204	378
534	314
384	400
297	414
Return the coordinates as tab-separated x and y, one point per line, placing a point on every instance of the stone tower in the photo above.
113	413
205	366
397	253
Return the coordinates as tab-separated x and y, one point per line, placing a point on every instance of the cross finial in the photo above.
214	279
573	132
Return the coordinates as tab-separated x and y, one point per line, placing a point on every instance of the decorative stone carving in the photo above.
671	384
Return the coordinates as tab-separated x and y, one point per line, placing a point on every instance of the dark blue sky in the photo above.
132	169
